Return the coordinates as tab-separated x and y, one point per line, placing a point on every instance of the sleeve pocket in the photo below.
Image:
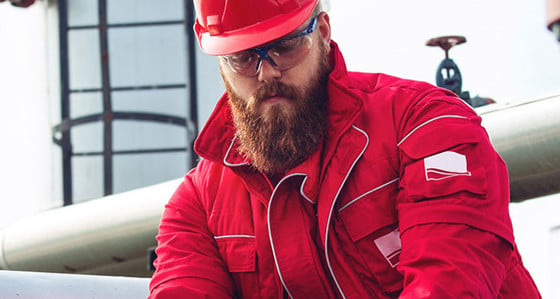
445	173
443	157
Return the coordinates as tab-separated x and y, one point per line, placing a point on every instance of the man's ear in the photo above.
324	26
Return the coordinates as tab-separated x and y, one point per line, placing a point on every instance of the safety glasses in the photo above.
282	54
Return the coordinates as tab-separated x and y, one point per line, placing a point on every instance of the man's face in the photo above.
280	116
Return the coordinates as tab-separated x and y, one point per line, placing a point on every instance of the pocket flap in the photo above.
369	213
441	135
238	252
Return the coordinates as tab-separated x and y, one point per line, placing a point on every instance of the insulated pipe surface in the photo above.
527	136
36	285
111	234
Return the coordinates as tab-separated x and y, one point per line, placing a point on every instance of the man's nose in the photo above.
268	72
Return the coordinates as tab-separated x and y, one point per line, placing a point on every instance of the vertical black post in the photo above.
107	108
66	144
192	81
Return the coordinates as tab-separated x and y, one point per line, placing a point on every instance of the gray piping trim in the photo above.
369	192
227	154
331	212
303	194
233	236
427	122
270	232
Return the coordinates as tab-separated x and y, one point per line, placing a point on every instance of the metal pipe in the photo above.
111	235
17	284
527	136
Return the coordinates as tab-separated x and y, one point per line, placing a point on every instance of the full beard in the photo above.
280	138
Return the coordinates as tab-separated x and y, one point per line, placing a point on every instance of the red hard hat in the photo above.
552	12
228	26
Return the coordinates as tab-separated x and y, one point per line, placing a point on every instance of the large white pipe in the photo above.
527	136
111	235
36	285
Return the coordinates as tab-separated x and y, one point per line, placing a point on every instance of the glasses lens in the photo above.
289	52
282	54
243	62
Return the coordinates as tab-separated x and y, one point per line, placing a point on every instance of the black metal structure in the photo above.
448	74
187	120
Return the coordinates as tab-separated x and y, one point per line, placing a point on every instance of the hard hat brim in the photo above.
255	35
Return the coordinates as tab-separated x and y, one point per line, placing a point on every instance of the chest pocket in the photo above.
371	223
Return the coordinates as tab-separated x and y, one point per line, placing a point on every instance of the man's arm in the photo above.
452	261
456	235
188	263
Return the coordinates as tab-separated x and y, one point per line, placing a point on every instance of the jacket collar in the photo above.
217	142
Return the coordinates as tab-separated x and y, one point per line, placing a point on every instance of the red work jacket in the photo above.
406	197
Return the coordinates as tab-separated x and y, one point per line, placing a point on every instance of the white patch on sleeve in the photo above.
445	165
390	246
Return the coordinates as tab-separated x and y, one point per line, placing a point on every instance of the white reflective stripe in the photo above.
332	209
227	154
303	193
270	232
369	192
233	236
427	122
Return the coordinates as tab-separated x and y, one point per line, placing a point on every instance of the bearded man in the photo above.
317	182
